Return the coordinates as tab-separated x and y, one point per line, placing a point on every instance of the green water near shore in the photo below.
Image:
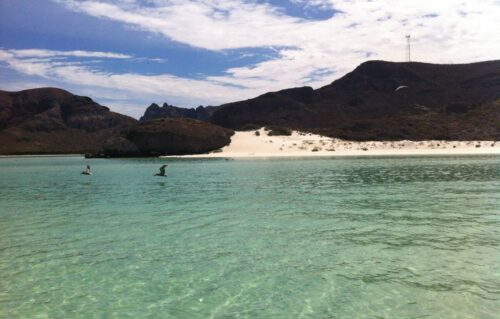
393	237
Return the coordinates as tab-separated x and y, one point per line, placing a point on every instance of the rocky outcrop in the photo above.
174	136
54	121
117	146
452	102
51	121
154	111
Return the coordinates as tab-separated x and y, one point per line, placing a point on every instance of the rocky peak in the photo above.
154	111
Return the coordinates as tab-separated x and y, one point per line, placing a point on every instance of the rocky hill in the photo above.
168	136
50	120
54	121
385	101
154	111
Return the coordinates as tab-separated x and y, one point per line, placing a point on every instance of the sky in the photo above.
127	54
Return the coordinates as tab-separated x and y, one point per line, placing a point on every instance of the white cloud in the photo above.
42	53
231	24
442	31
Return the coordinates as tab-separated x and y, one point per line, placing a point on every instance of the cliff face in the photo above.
154	111
168	136
384	100
50	120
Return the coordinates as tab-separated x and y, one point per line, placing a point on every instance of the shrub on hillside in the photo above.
278	131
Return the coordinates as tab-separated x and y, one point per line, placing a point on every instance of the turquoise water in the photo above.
400	237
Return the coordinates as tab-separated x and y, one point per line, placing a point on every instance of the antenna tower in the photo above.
408	48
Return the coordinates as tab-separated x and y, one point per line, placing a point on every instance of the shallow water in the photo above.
399	237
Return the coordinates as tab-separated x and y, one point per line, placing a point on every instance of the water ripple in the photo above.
298	238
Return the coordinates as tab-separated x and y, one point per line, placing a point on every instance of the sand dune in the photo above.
259	144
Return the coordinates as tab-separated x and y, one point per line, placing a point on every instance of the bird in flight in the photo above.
162	171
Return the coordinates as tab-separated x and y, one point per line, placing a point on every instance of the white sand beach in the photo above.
299	144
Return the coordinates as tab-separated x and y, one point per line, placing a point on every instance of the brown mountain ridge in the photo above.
377	101
54	121
449	102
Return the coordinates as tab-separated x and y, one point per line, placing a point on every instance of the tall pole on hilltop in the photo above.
408	48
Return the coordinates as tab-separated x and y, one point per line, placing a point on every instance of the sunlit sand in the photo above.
259	144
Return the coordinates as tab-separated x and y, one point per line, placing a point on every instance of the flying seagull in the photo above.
162	171
400	88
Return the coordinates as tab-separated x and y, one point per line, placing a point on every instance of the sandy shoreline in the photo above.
252	144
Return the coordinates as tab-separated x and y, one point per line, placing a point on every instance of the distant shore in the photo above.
258	144
42	155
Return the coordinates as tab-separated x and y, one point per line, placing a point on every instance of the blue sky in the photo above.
127	54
